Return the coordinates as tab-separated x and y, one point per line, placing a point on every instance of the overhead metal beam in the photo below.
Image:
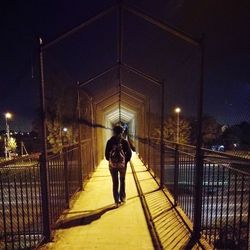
116	93
133	97
125	104
115	116
141	74
81	26
107	97
125	111
128	105
134	91
162	25
81	84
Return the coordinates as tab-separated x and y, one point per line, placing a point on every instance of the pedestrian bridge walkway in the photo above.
93	222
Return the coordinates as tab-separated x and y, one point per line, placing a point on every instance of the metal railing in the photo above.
226	200
63	180
87	158
20	204
21	214
225	190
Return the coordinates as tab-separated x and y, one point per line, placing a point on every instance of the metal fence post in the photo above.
162	165
248	216
149	136
199	155
43	157
79	140
176	173
4	238
66	181
92	136
45	197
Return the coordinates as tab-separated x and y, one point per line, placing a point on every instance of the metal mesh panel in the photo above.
73	170
225	210
20	199
64	180
87	163
56	180
69	120
186	183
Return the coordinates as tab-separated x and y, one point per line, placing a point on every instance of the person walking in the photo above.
118	153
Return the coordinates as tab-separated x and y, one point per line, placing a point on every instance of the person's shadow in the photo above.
83	219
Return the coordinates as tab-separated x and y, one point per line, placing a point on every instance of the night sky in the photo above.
227	60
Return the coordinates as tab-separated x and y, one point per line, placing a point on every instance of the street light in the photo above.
6	141
64	135
177	111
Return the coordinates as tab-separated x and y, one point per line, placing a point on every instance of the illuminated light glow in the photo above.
65	129
177	110
8	115
126	114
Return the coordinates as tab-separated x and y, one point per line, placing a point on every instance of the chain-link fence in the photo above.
152	73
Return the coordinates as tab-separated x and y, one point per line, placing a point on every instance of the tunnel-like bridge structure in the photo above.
179	196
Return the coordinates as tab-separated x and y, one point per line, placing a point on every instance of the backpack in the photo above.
117	156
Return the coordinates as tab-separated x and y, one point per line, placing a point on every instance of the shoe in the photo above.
117	204
123	200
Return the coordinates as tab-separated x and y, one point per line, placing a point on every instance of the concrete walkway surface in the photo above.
167	220
94	223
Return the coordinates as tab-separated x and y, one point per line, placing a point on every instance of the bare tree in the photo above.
170	130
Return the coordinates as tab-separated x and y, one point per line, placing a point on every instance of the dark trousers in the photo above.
118	173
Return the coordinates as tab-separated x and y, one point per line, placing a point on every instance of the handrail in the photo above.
225	200
236	157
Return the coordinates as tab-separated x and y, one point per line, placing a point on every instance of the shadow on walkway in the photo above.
83	219
171	225
93	220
